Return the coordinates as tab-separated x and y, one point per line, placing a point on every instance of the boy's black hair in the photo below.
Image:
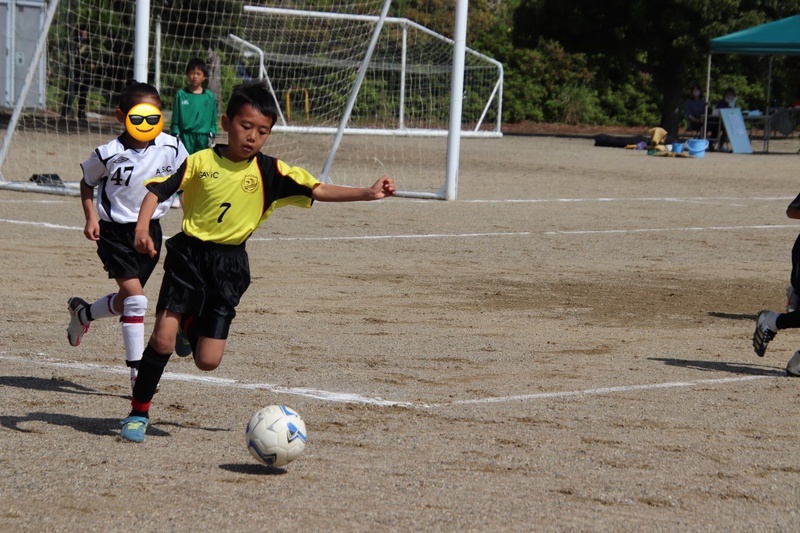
135	90
257	95
196	62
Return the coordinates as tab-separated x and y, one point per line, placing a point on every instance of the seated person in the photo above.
694	109
728	102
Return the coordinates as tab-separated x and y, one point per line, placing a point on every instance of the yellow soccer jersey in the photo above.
224	202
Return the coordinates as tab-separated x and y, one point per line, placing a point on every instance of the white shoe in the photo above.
77	327
765	331
793	366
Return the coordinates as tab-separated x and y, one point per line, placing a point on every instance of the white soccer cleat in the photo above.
77	325
765	331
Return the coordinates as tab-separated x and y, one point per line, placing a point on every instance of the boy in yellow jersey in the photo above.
229	191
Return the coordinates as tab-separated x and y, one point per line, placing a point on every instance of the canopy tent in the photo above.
777	38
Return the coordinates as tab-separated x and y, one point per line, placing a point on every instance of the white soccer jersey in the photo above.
119	173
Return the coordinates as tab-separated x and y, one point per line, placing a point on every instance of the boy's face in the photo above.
247	132
196	78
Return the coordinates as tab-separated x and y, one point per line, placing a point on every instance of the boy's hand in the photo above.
144	243
92	229
383	188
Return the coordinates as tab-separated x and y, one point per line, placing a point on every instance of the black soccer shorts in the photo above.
205	280
119	256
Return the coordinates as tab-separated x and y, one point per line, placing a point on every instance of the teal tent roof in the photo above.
781	37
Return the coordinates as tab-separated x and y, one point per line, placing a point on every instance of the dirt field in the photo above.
566	347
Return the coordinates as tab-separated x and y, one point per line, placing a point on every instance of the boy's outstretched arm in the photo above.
142	240
383	188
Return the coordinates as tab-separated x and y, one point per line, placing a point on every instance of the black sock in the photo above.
788	320
150	369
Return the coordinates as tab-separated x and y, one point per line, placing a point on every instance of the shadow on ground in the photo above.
721	366
253	469
52	385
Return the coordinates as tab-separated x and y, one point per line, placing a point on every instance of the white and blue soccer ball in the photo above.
276	435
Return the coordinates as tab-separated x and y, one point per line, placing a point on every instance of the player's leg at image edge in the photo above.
767	327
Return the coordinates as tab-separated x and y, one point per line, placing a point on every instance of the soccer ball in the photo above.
276	435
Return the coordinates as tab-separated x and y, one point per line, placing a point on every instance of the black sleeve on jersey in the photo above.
795	203
276	185
166	188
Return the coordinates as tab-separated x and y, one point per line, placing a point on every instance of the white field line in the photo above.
40	224
463	235
602	390
348	397
340	397
694	200
661	230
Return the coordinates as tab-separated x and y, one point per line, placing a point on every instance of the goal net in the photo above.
72	58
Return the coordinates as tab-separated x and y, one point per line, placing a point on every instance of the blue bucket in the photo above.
697	147
677	148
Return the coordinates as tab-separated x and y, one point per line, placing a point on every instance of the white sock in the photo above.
104	307
770	319
134	309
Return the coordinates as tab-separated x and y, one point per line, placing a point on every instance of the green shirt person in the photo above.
194	115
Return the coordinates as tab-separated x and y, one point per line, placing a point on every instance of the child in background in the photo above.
119	168
194	115
206	270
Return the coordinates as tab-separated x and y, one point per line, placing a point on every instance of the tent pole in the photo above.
708	95
767	131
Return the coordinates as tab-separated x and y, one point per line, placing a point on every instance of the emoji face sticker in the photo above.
144	122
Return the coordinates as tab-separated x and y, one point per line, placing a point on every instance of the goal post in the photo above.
357	98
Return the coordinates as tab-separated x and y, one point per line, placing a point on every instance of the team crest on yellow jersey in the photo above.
250	183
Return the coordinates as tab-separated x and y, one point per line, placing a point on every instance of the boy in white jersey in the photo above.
117	170
229	191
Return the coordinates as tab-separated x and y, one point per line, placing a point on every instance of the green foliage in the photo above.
574	104
641	57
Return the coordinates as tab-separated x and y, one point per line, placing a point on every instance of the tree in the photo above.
666	40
